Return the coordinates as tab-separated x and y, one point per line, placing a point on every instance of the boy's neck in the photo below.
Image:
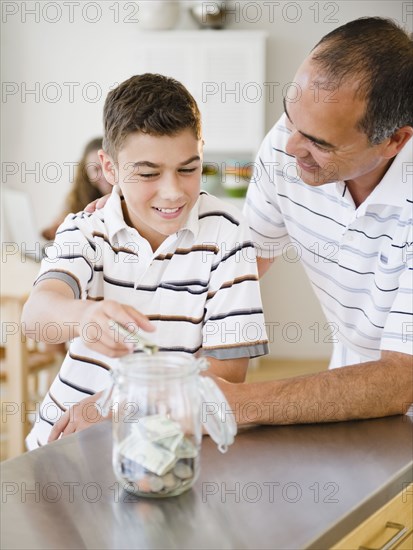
154	242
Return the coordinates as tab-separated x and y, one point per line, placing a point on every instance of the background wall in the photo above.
59	60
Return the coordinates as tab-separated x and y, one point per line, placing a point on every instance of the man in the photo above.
334	177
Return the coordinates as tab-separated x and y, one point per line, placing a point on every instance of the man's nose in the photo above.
296	144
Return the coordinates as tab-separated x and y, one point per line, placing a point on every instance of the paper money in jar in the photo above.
156	451
157	458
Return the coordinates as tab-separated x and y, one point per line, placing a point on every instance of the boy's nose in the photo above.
170	188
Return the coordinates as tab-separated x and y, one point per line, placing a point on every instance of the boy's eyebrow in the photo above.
192	159
145	163
153	165
320	141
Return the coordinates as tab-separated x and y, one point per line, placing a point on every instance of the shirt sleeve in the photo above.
398	330
72	256
261	207
234	321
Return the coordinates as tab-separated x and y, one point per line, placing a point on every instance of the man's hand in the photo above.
79	417
97	204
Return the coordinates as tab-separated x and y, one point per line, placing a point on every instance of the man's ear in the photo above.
397	141
108	167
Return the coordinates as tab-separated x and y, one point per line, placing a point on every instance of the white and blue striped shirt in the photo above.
359	259
200	289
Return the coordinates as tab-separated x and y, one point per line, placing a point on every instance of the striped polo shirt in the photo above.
359	259
200	289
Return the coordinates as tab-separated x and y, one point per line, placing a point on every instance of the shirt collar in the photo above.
113	215
192	223
392	189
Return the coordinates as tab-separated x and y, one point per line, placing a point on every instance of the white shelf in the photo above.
225	71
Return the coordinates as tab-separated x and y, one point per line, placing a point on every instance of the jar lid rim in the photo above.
159	365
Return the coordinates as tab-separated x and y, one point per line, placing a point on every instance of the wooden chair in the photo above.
17	411
23	361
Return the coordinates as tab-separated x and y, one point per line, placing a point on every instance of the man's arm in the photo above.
369	390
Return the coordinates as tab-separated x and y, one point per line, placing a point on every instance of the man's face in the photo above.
160	180
325	140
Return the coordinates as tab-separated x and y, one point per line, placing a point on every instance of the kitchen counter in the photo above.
277	487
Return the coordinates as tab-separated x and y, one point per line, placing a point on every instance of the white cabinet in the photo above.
225	71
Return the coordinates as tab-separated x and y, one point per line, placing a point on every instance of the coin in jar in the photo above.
170	481
150	484
182	470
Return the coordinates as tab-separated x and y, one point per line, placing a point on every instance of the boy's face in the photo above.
160	180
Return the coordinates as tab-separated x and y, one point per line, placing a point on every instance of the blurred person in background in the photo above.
89	184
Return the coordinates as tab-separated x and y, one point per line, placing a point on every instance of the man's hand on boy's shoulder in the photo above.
97	204
80	416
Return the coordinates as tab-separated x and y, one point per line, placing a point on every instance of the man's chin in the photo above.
314	180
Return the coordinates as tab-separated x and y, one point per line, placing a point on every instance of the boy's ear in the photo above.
108	167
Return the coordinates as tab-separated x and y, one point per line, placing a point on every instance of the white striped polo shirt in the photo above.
359	260
200	289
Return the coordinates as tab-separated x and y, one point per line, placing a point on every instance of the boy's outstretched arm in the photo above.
52	301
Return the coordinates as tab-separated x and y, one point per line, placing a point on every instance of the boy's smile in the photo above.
160	180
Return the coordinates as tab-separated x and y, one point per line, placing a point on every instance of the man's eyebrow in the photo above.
153	165
319	141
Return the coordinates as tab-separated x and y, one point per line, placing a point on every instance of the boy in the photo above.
160	255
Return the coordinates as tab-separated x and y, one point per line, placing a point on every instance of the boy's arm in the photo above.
232	370
263	265
52	302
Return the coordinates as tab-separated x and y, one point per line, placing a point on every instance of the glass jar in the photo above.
159	405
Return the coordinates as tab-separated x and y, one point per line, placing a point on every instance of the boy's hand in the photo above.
80	416
97	204
96	328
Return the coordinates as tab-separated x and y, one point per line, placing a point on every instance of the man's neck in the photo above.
361	188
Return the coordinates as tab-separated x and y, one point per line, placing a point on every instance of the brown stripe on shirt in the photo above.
83	359
114	248
229	284
193	320
183	251
61	407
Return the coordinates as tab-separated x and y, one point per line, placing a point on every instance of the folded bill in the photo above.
156	443
138	341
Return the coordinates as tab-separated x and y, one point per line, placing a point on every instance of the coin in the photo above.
150	484
170	481
183	471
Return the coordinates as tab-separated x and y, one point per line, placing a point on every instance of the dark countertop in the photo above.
277	487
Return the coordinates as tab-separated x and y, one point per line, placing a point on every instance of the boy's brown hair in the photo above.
149	103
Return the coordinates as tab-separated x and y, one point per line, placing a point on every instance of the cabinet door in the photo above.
407	543
225	71
389	528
